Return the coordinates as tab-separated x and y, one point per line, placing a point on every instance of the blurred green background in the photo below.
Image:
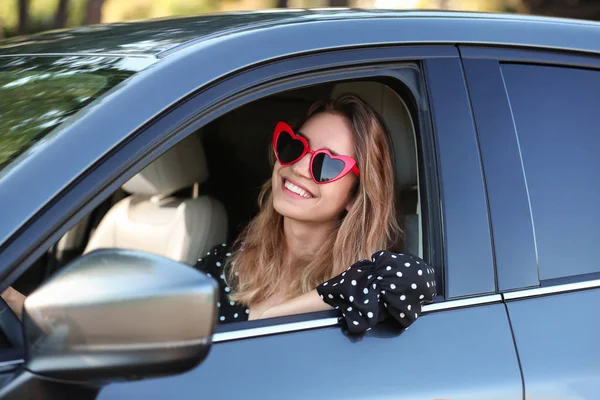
19	17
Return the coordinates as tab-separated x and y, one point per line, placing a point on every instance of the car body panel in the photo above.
426	361
557	339
512	224
553	321
466	224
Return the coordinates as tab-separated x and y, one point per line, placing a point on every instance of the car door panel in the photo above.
463	353
537	111
516	259
557	338
555	331
466	223
460	349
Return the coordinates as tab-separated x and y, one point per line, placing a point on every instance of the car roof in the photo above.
161	36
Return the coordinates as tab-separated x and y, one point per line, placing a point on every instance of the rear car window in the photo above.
557	116
37	94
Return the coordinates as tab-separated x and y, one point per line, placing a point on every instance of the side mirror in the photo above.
120	314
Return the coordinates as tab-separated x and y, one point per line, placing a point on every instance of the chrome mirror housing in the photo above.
120	314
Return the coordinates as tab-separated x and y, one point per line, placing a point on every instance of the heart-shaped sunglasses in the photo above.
324	167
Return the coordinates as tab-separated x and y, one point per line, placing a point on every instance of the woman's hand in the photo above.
306	303
15	301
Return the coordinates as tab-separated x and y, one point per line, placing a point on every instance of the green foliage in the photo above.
42	12
77	9
41	15
8	16
134	10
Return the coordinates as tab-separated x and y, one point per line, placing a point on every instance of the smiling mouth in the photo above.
297	190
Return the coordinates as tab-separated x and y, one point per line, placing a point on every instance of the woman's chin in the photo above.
296	212
287	209
291	209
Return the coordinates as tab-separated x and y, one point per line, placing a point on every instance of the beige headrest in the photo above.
396	118
178	168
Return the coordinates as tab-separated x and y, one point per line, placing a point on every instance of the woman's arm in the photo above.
306	303
15	301
402	283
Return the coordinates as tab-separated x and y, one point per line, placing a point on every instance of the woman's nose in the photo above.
302	166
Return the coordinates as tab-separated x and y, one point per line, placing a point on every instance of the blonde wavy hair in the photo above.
258	269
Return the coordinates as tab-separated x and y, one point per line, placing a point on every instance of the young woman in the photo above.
327	229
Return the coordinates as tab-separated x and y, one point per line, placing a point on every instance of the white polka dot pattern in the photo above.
214	265
390	284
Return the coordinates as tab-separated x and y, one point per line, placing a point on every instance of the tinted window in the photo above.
557	117
39	93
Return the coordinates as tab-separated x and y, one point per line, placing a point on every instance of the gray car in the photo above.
108	131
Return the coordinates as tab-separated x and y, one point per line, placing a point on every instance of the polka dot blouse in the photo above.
213	265
388	285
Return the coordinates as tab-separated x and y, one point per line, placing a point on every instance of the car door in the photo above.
537	118
461	348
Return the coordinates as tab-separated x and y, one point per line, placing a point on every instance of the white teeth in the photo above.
293	188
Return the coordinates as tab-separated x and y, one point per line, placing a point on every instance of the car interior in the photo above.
204	190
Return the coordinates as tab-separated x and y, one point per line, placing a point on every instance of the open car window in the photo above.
231	148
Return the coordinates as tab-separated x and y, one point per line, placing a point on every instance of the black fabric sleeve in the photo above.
390	284
213	265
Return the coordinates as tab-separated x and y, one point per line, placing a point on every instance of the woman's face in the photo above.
317	202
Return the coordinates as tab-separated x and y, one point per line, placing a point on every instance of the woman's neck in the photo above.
304	239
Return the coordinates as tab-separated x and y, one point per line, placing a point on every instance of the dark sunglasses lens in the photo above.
326	168
288	149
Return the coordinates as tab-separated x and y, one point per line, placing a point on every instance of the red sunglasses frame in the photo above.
349	162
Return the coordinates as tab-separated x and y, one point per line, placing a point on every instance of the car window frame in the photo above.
18	245
152	139
103	178
517	280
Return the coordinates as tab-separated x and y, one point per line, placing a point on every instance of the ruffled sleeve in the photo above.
390	284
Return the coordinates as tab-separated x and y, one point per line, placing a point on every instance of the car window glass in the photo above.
37	94
556	114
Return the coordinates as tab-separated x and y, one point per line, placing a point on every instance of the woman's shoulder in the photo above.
214	259
392	257
397	257
213	264
220	250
